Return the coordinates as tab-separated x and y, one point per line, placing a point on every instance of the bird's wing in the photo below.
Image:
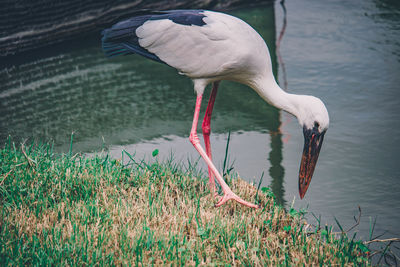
197	43
121	38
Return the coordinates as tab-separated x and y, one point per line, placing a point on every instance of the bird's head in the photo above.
313	117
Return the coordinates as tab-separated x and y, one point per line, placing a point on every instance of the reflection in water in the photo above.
278	43
276	171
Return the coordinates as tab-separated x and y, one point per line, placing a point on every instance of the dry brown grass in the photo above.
110	214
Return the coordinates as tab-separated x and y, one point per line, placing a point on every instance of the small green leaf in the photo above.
264	189
267	222
287	228
363	247
155	152
293	212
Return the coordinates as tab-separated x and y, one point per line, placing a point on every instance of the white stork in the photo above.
209	47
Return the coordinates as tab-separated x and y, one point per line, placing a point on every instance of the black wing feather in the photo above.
121	38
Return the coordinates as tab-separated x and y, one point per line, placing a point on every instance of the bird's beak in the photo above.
312	145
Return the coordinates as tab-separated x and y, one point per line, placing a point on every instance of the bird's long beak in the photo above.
312	145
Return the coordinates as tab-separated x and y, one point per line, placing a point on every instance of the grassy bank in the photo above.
68	209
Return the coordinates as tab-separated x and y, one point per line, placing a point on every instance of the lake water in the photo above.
345	52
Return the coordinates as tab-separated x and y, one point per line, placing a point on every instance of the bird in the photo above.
209	47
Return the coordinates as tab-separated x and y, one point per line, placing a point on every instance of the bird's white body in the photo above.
225	48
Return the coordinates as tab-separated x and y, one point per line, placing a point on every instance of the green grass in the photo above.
72	210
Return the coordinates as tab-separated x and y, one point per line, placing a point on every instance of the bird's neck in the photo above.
270	91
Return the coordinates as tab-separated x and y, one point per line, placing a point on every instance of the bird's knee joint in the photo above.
206	129
194	139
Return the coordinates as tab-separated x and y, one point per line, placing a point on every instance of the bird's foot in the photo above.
230	195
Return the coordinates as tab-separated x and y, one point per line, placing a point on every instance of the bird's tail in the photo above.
121	39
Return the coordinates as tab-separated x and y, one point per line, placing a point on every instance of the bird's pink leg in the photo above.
194	139
207	130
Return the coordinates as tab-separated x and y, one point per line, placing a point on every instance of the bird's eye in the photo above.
316	125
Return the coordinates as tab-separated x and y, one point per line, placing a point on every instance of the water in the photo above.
349	56
345	52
